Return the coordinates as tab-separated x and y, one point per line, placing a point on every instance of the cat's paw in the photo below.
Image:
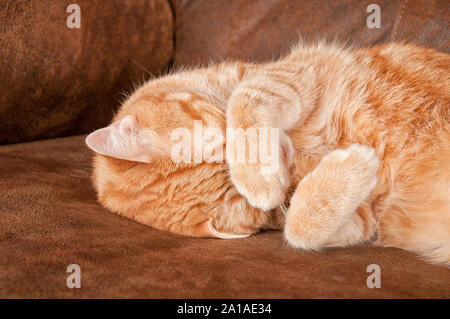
354	170
265	183
263	190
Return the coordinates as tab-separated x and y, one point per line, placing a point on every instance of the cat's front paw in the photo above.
263	190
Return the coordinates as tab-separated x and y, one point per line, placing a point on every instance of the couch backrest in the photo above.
56	80
262	29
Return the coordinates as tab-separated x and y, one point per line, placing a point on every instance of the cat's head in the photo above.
135	174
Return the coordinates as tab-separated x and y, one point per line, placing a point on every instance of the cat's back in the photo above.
409	88
394	97
407	66
388	93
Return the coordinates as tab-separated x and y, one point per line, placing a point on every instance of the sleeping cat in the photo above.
364	156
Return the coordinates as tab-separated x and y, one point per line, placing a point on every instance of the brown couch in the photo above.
57	82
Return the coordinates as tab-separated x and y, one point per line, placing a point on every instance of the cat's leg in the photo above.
262	102
416	214
423	228
328	208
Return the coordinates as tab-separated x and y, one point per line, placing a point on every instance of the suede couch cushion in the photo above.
66	81
49	219
261	30
57	81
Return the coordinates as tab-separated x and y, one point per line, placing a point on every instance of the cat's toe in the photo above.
263	191
264	197
355	168
364	158
363	164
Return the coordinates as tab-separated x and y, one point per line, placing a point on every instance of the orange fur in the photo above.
326	99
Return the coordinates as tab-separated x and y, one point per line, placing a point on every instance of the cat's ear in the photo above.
207	229
124	139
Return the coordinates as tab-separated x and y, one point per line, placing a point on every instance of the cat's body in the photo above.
324	98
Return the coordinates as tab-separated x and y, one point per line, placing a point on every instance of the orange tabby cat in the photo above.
368	130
